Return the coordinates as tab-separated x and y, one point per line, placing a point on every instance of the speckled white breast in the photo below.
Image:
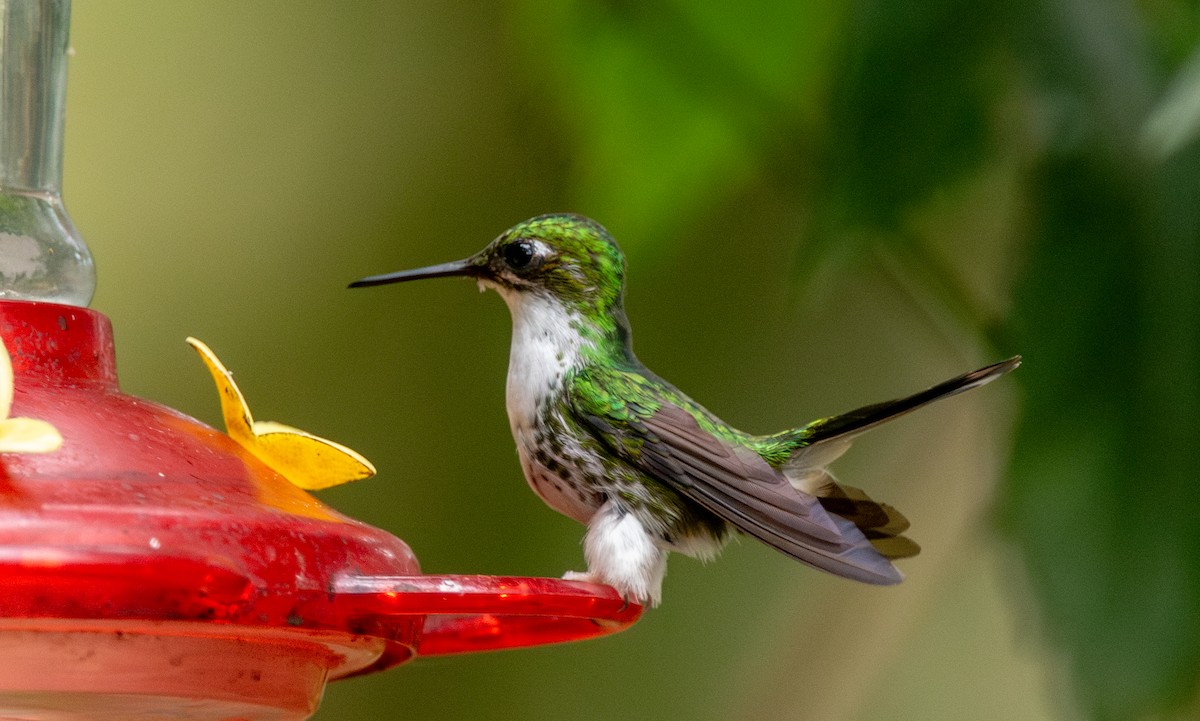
545	347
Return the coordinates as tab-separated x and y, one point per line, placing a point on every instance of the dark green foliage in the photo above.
1103	494
670	106
907	108
902	104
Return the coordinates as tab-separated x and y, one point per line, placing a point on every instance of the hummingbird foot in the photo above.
584	577
622	554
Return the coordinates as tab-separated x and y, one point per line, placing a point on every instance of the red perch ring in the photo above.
153	563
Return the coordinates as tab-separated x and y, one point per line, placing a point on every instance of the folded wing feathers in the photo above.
744	490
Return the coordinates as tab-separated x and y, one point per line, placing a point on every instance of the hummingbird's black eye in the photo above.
519	254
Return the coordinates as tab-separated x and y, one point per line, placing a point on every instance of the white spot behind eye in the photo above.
540	248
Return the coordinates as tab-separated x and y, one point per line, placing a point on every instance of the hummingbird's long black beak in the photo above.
466	267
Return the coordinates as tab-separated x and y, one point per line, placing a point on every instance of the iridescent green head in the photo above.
566	257
569	256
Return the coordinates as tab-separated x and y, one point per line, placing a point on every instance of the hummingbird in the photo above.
607	442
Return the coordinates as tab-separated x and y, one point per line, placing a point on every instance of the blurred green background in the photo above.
824	204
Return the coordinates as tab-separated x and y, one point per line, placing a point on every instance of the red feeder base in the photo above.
152	568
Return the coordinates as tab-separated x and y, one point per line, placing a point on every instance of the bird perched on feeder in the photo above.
605	441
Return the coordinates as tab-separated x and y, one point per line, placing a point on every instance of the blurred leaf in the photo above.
1102	490
1172	27
1175	120
673	106
1102	493
910	117
909	113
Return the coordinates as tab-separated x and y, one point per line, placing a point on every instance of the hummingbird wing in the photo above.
662	436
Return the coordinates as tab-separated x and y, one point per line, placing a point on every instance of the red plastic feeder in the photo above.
152	568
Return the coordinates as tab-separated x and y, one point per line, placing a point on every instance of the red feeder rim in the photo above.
147	515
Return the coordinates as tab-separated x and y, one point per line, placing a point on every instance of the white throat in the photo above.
545	345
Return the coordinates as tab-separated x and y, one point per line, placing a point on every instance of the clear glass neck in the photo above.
42	256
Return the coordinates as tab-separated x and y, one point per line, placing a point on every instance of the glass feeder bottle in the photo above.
42	256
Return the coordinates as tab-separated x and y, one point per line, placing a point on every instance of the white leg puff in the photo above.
621	554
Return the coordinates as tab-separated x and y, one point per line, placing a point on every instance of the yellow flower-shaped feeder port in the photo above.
308	461
21	435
